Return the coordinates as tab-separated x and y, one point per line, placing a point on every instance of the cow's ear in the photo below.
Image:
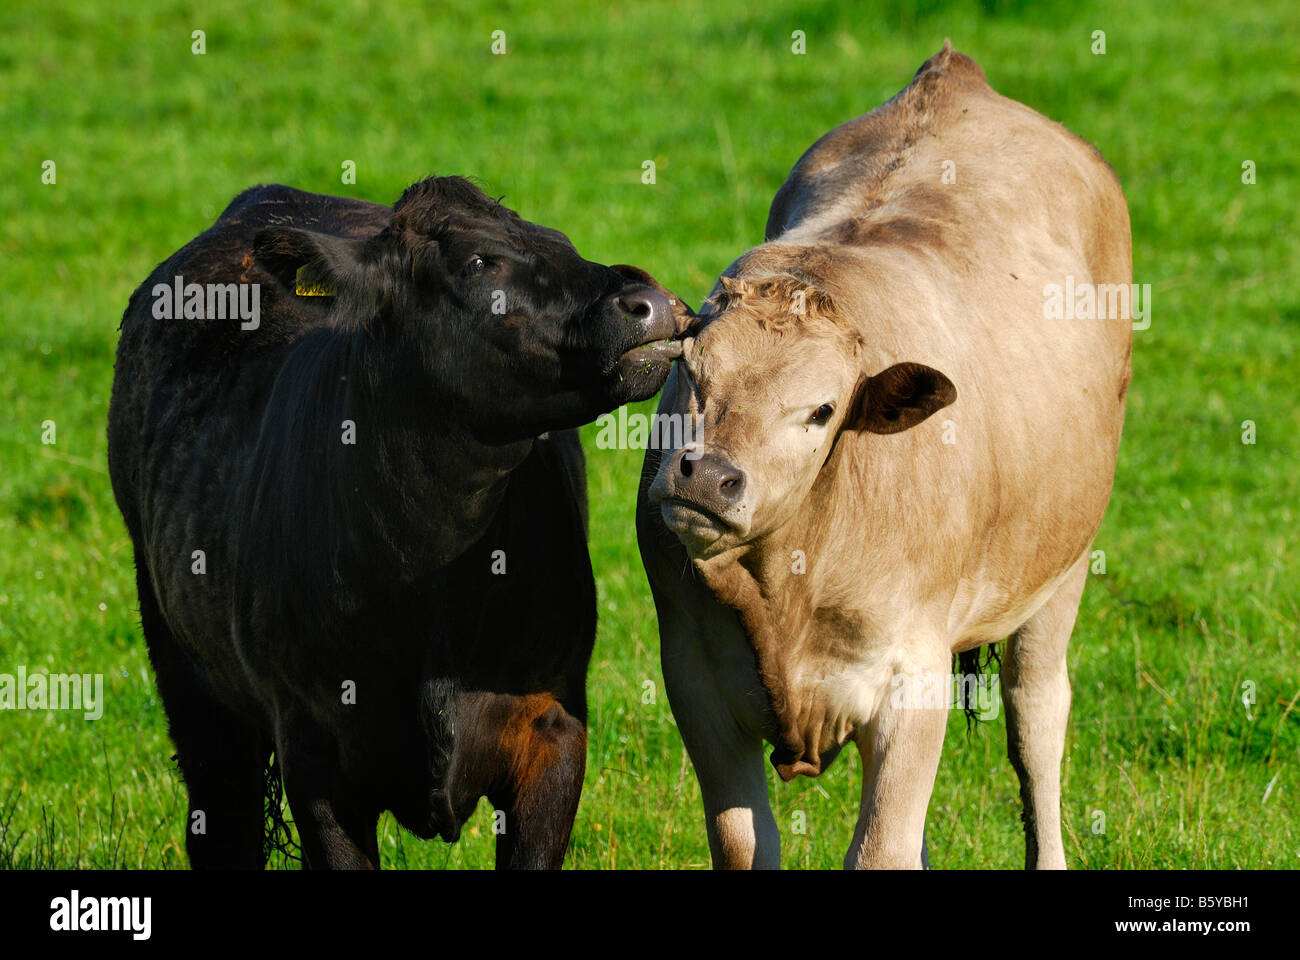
312	264
900	397
682	313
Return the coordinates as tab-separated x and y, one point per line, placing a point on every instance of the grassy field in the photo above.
1166	767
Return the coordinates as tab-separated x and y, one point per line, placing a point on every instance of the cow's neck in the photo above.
439	483
790	590
775	619
402	484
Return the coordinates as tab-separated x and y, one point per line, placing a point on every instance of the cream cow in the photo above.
897	457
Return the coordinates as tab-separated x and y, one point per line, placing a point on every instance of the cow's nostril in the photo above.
648	307
731	485
686	467
636	306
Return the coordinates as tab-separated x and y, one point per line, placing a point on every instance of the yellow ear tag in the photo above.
305	287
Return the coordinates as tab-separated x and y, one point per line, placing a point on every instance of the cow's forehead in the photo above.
734	353
442	207
522	235
550	235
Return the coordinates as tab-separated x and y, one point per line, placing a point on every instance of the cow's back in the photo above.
951	151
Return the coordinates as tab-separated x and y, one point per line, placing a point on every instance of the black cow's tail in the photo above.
279	836
970	669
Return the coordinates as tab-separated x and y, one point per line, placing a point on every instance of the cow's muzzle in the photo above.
701	495
644	328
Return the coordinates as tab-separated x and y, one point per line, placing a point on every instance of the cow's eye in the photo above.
822	414
476	263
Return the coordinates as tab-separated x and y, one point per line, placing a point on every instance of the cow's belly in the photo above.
988	613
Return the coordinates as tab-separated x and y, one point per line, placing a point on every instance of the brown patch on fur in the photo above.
909	231
525	744
930	203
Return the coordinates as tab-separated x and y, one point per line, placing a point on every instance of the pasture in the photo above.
1184	743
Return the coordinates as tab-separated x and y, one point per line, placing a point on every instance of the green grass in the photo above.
1200	590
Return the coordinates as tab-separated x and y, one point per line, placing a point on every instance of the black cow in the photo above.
359	513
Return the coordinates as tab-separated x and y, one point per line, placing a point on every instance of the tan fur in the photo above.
915	548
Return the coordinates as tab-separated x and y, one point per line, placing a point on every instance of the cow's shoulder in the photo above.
953	65
859	156
941	86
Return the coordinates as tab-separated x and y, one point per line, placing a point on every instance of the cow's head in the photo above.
775	375
517	333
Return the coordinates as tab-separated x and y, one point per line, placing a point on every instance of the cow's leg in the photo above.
900	750
222	758
223	761
733	785
1036	692
543	751
727	754
336	829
